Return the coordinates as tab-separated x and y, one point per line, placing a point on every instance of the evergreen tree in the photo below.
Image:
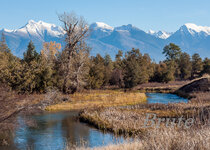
172	51
9	65
96	73
118	71
118	64
136	68
3	45
171	69
108	68
197	65
160	72
206	66
185	66
30	54
48	59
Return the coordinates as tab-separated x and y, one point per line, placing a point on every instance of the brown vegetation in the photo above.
97	98
130	119
12	104
161	87
166	139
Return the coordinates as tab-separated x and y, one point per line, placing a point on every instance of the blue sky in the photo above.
145	14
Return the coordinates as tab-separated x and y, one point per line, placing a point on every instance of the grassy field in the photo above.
97	98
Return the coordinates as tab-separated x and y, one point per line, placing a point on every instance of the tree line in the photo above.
72	69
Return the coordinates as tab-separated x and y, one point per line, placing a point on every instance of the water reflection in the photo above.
53	131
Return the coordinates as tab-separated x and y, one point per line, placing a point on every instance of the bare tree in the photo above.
77	30
79	67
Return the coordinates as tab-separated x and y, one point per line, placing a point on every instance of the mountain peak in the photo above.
40	28
31	22
101	25
193	28
127	27
39	23
151	32
160	34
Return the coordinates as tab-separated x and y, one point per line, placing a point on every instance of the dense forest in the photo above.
72	69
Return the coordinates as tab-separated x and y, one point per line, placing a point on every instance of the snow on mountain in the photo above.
128	36
100	30
105	39
40	29
101	25
192	28
192	39
160	34
38	32
126	27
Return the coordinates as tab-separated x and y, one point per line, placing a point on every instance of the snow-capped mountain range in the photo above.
160	34
105	39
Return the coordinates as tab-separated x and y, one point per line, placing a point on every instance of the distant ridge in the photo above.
105	39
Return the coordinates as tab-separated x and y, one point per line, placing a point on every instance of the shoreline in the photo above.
40	102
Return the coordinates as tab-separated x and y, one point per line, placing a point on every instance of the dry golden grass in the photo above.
165	139
97	98
130	119
114	119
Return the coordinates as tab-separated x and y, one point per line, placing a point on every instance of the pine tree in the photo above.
48	59
108	68
185	66
136	68
172	51
30	54
118	64
206	66
171	69
160	72
3	45
118	70
96	73
197	65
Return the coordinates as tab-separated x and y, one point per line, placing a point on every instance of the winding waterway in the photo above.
53	130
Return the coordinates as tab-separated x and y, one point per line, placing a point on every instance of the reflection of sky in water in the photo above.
54	130
164	98
42	137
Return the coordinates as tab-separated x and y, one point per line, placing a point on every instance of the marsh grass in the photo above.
97	98
129	120
165	139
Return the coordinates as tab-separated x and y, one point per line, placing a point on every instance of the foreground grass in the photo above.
165	139
97	98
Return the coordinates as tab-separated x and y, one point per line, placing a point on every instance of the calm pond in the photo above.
53	130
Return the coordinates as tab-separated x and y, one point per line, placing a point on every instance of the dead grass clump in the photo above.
116	120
